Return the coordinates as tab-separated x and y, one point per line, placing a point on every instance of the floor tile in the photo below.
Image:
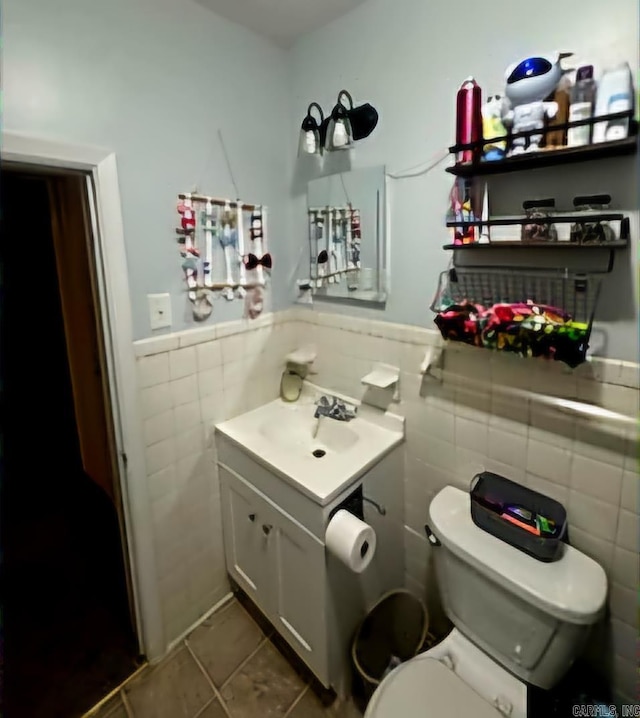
213	710
346	709
224	640
176	688
311	707
265	687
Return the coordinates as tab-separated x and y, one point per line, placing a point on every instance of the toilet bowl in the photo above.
518	621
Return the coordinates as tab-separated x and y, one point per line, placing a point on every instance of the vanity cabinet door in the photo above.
300	592
280	565
246	545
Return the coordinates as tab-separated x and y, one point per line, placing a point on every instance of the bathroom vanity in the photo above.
283	474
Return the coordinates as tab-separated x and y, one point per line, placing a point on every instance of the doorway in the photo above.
68	623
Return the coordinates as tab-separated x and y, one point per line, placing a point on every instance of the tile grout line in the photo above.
209	680
303	692
118	690
205	706
127	706
235	672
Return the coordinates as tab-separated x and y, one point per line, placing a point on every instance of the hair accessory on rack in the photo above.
240	290
188	220
228	241
256	224
185	208
254	302
202	306
251	261
190	268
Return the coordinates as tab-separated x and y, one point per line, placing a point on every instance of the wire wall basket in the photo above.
531	313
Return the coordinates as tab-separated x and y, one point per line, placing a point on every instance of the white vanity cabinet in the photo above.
279	564
275	552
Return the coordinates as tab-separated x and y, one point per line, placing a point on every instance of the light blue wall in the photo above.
153	80
408	58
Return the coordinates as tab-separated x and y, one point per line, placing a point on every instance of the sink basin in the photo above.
307	434
319	456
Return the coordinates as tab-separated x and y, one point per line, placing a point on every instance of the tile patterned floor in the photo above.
226	668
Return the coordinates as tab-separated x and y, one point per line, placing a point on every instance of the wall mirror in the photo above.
348	258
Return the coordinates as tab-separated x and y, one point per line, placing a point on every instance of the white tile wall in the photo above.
182	362
188	381
454	430
192	379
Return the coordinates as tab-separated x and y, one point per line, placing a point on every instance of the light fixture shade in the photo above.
311	135
364	119
339	130
309	142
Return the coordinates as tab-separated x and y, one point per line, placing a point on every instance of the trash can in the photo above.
393	631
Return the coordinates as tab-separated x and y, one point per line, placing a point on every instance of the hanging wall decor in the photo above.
227	266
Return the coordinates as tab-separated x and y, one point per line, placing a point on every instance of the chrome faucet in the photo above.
334	409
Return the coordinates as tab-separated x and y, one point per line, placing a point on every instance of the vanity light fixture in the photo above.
339	131
345	125
312	133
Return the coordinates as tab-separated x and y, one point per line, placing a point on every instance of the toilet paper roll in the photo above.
351	540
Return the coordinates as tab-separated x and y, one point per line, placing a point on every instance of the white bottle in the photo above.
583	95
615	94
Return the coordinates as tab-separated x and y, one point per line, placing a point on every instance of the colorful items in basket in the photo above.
525	328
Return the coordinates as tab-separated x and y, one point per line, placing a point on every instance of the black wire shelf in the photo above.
582	218
547	157
541	244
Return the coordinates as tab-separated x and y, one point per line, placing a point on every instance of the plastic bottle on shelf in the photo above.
615	94
583	95
469	119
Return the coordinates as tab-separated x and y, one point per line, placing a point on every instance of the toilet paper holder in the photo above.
380	508
354	505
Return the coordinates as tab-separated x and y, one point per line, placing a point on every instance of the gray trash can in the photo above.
393	631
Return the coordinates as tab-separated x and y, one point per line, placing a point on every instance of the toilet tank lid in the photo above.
573	589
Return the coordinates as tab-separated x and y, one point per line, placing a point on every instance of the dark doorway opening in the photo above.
68	633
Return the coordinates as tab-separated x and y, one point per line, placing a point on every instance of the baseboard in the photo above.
225	599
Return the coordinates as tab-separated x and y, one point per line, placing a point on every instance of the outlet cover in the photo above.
159	310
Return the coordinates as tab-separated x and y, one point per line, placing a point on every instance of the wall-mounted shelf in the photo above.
518	244
516	307
547	158
546	313
578	218
550	157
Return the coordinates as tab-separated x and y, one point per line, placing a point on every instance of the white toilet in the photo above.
517	621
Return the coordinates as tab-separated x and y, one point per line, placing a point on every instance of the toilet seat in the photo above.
425	687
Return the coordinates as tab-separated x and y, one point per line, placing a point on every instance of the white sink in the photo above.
301	432
319	456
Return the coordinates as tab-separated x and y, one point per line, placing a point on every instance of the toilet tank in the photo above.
531	617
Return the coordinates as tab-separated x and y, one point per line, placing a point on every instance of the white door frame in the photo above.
115	307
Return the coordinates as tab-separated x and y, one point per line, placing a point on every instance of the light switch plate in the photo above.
159	310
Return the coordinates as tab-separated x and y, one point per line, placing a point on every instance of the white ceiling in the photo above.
281	20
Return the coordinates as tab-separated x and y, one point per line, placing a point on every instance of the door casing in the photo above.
115	311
